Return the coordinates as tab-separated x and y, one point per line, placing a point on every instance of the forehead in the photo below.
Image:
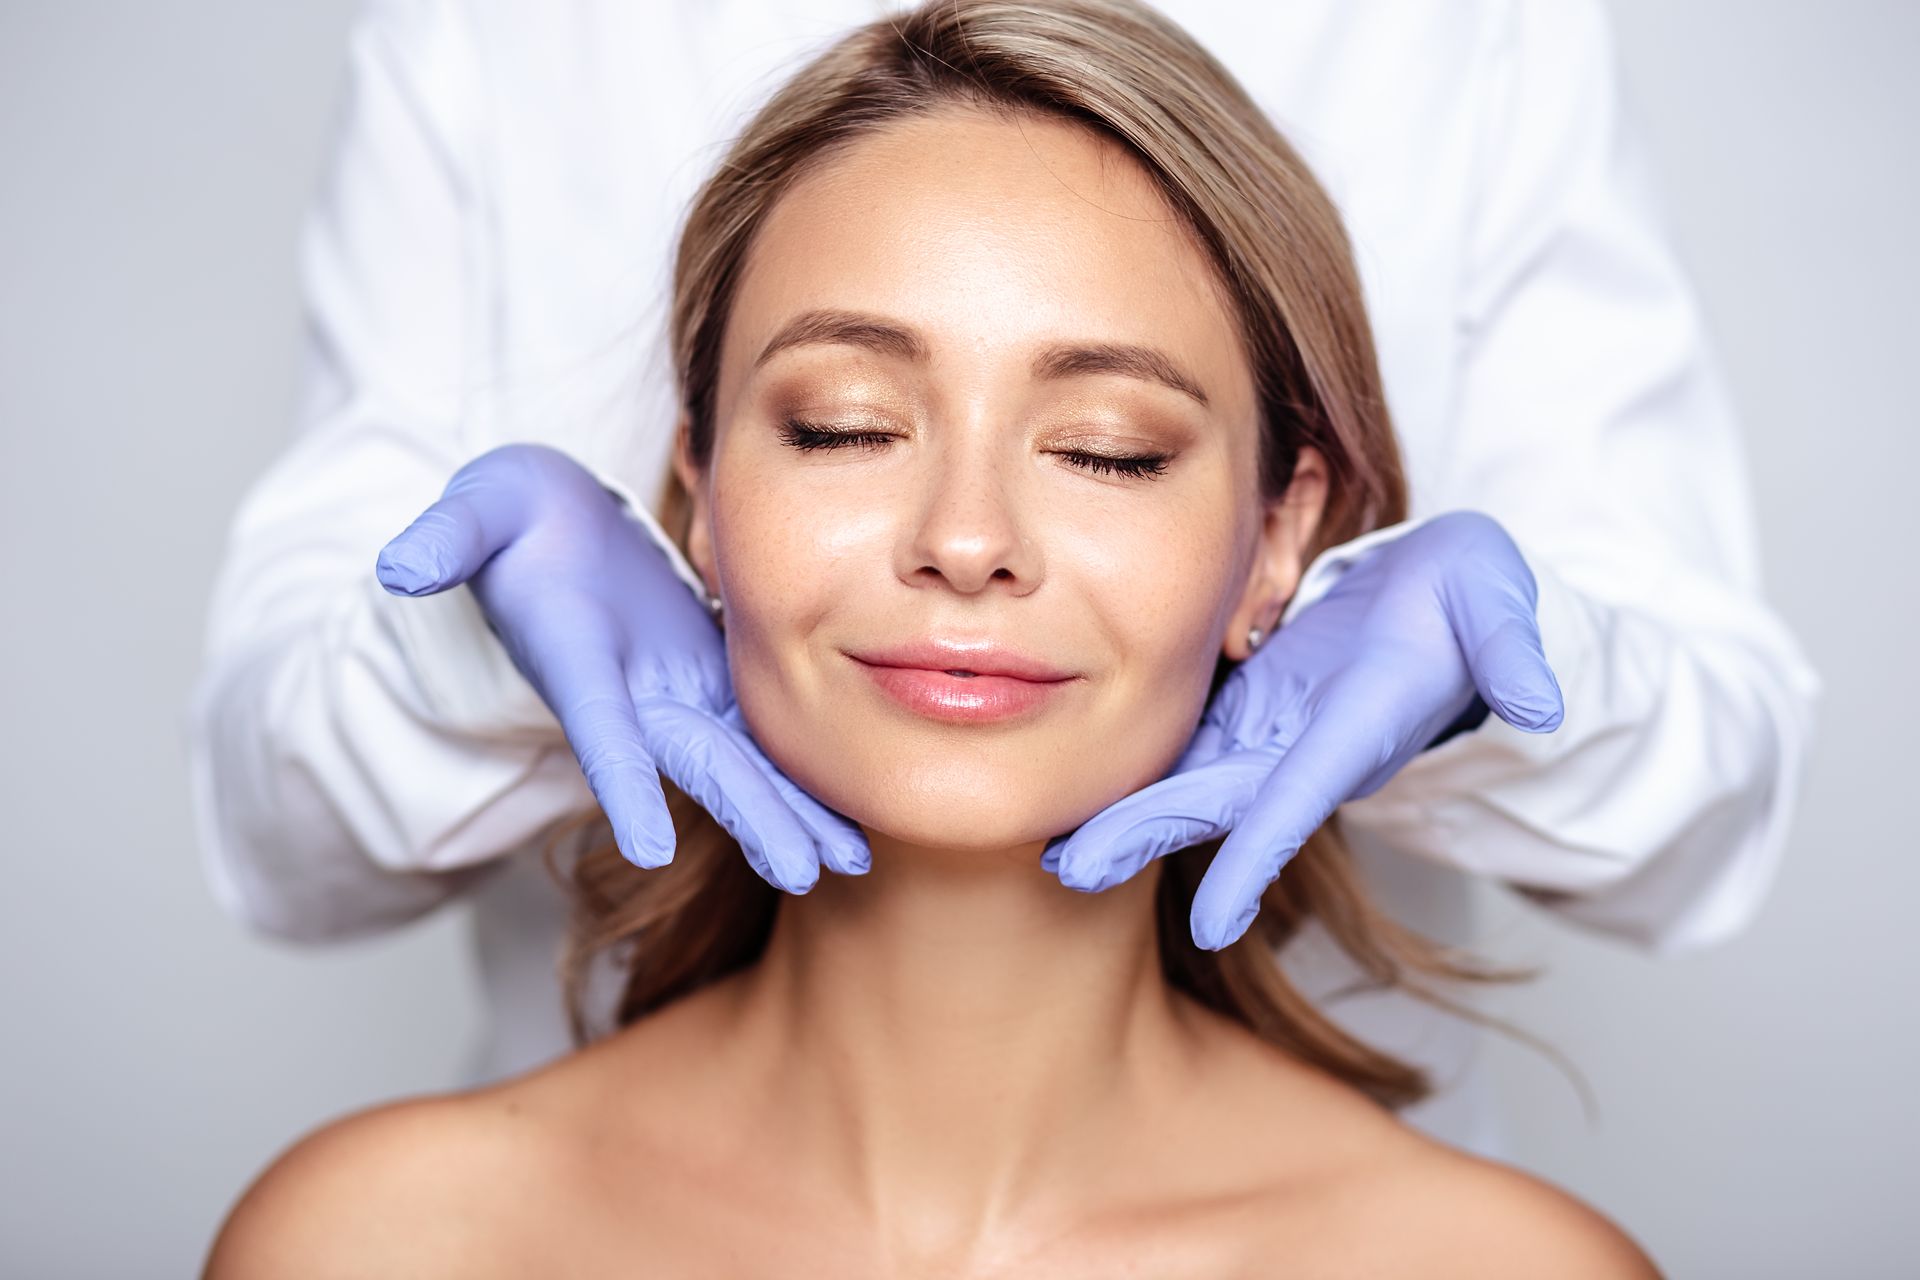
992	235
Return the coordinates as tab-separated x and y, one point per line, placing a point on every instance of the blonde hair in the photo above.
1277	245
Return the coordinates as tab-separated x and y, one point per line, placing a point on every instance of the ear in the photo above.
1280	559
693	481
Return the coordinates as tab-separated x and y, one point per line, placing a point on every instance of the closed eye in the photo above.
807	436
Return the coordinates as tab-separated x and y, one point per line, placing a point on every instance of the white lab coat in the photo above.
487	260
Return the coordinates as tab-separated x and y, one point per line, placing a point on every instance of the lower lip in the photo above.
962	699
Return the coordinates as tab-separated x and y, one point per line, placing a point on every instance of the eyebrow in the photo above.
1060	360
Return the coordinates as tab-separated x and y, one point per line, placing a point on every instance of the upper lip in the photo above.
980	657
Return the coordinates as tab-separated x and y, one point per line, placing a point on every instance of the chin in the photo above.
953	805
964	828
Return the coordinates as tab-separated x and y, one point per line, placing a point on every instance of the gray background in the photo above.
1755	1119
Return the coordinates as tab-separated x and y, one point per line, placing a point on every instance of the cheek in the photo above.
782	541
792	563
768	559
1164	593
1162	589
775	570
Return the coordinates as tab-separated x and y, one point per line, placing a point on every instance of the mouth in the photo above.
964	683
957	657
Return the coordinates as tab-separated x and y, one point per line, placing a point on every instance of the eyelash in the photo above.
807	437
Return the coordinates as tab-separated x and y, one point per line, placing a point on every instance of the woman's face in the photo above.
1053	471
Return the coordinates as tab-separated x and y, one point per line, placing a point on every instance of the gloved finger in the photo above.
450	541
704	760
589	695
1345	743
1109	855
1172	814
1500	636
841	844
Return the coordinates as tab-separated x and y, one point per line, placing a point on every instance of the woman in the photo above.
1024	371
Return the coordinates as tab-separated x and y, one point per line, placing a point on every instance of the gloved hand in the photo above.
631	662
1329	708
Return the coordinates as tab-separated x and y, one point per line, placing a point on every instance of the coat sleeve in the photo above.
359	758
1593	423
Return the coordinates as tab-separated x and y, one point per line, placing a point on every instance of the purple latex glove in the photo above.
629	659
1413	636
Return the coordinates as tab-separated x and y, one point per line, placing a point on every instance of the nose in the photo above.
970	529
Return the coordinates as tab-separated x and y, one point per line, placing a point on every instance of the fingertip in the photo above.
1204	935
795	875
1234	886
1536	711
1084	872
1087	859
1211	933
849	859
1515	679
406	569
645	848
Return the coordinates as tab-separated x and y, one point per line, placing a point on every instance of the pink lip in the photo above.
1003	683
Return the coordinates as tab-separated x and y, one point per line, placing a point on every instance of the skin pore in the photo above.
952	1064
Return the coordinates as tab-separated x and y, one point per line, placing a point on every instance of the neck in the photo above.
948	1026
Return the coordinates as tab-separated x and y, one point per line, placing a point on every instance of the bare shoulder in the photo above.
431	1186
1502	1221
1456	1214
1342	1184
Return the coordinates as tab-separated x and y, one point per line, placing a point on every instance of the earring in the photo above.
713	605
1254	636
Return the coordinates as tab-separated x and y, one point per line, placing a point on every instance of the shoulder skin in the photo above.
426	1187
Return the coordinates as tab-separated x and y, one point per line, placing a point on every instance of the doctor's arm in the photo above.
358	758
1596	512
1594	424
